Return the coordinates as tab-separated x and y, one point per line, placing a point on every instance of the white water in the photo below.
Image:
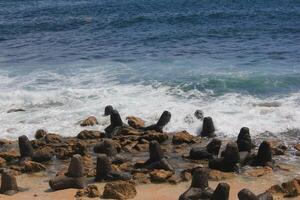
56	103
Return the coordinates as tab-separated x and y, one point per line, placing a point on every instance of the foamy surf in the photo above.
59	108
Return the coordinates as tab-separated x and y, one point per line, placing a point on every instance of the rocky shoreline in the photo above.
124	157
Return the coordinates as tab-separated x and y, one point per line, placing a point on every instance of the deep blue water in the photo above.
237	60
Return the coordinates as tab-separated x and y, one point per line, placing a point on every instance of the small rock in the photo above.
40	134
90	191
182	137
291	188
159	176
119	190
53	138
90	134
141	178
153	135
2	162
30	167
135	122
216	175
90	121
259	171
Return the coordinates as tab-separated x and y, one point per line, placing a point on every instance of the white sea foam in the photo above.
56	103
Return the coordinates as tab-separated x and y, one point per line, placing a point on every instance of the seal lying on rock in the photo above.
264	156
115	121
208	152
161	123
246	194
27	152
208	128
229	161
157	159
74	178
104	171
199	187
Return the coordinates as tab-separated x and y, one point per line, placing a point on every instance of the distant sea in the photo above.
64	60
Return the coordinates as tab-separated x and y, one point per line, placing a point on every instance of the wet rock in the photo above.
209	152
90	191
141	178
2	162
74	178
161	123
199	187
244	140
119	190
25	147
287	189
104	171
174	179
259	171
107	147
90	134
40	134
9	156
159	176
208	128
90	121
216	175
16	110
264	156
128	131
182	137
157	159
153	135
115	121
199	114
135	122
246	194
8	183
31	167
221	192
108	110
53	138
229	161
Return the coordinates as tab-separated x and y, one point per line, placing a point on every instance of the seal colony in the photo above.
126	155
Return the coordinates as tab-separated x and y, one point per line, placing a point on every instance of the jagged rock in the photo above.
30	167
90	191
53	138
153	135
135	122
119	190
90	121
182	137
161	123
159	176
90	134
40	134
2	162
208	128
9	156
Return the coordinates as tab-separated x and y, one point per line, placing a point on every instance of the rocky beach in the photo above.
128	160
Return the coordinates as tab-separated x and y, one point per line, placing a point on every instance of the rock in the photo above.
152	135
90	191
9	156
119	190
229	161
174	179
8	183
141	178
90	121
90	134
124	130
199	187
221	192
115	121
53	138
291	188
161	123
216	175
16	110
40	134
182	137
74	178
31	167
208	128
185	176
43	154
244	140
159	176
135	122
108	110
2	162
297	147
259	171
199	114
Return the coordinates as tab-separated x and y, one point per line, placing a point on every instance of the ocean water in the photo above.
64	60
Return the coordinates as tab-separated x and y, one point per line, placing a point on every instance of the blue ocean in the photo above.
64	60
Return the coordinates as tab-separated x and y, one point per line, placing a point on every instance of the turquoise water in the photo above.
69	58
